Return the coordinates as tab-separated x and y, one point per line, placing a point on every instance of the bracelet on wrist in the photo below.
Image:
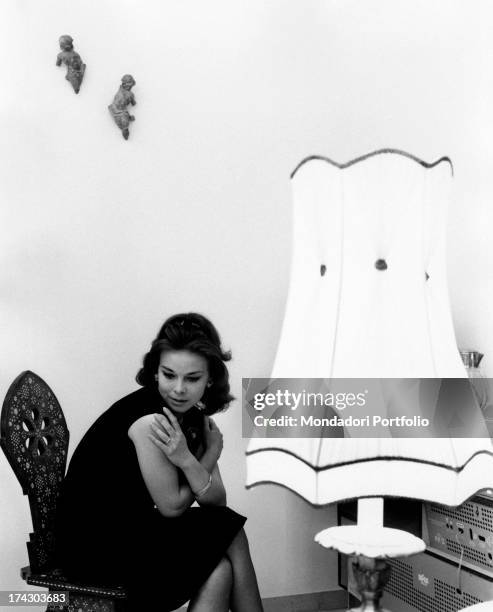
204	489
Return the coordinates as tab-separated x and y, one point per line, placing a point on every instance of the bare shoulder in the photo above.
141	427
159	474
151	459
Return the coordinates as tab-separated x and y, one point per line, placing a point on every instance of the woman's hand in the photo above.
213	439
170	439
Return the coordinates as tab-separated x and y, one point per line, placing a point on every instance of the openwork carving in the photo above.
34	437
87	603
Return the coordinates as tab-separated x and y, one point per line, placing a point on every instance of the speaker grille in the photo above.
478	557
478	515
446	597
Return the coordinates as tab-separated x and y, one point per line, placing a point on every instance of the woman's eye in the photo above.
168	376
194	379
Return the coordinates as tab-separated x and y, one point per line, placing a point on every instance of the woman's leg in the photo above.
245	596
213	595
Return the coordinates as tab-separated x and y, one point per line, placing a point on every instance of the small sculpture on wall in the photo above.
118	108
75	66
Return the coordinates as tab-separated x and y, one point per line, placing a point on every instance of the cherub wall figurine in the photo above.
122	99
75	66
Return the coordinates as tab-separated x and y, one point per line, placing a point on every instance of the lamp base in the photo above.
369	549
376	542
371	576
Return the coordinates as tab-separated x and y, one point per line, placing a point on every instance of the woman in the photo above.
125	512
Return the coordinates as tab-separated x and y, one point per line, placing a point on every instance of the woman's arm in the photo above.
215	494
169	438
159	465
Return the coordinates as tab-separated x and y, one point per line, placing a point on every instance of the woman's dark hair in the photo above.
195	333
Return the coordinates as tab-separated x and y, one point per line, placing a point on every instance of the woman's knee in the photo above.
222	575
215	593
240	540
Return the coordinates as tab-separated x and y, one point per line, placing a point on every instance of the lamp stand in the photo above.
371	576
370	545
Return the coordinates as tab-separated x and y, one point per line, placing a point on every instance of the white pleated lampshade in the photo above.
368	298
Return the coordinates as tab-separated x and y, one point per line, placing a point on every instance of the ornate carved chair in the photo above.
34	438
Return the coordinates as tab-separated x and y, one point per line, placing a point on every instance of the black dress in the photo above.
109	530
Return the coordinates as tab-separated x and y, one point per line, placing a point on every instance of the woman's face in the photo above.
182	377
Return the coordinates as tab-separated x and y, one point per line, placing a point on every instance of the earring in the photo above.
209	384
200	405
155	376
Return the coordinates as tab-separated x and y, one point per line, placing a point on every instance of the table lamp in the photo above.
368	299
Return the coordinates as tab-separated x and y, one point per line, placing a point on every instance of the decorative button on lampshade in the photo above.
368	298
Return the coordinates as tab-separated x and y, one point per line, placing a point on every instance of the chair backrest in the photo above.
34	438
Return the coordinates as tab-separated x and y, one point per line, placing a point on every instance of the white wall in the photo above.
101	239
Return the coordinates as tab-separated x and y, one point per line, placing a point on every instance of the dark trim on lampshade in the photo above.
367	155
324	504
323	468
